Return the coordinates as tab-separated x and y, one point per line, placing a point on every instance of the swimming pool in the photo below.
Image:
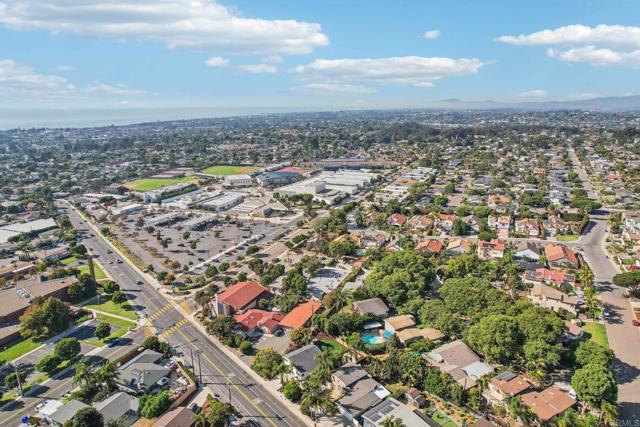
376	339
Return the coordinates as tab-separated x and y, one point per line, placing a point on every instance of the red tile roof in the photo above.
241	294
297	317
431	245
259	318
548	403
558	252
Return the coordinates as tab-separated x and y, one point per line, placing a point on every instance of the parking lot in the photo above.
176	247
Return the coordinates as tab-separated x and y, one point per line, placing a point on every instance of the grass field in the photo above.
107	306
149	184
443	419
17	349
100	275
567	238
597	332
68	260
229	170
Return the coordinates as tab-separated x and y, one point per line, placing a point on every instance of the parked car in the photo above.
635	322
113	343
119	261
163	381
194	407
606	312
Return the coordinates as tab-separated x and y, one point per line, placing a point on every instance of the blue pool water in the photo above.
376	339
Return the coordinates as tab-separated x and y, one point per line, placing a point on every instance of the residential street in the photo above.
220	371
624	338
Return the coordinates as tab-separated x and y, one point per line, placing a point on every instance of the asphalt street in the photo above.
221	373
61	383
624	338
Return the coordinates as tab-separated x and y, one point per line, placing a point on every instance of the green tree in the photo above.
67	348
45	317
400	276
108	374
592	353
84	374
629	280
153	406
86	417
102	331
292	391
393	422
118	297
540	324
222	326
48	363
594	383
268	363
315	401
496	337
153	343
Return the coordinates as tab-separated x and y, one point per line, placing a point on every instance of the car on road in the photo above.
119	261
139	282
109	251
635	322
113	343
109	262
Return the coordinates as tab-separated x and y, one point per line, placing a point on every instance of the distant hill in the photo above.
613	103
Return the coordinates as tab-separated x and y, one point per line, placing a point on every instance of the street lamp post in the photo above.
15	369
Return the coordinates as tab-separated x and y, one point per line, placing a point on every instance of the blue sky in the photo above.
109	54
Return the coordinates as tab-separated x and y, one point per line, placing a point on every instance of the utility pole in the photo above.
199	366
15	369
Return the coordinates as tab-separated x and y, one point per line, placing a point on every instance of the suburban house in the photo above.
119	405
66	412
561	256
498	201
254	321
415	397
527	226
391	408
546	296
141	373
359	398
459	246
397	220
526	250
493	249
445	221
420	223
548	403
432	246
373	306
555	226
473	221
302	361
408	335
549	277
300	315
237	298
504	386
458	360
346	376
397	323
178	417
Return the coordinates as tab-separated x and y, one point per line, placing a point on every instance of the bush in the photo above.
67	348
110	287
48	363
267	363
118	297
292	391
153	343
246	347
154	406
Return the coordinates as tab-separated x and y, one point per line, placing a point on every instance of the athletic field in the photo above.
149	184
229	170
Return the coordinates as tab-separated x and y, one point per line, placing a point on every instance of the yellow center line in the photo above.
238	389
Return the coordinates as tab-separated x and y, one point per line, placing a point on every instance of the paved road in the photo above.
220	372
11	414
624	338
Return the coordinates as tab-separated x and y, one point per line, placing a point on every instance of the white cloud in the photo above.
188	24
407	70
431	34
333	88
275	59
65	68
22	84
599	46
217	61
261	68
583	96
598	57
600	35
534	93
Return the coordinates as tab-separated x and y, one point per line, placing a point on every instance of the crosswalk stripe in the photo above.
174	328
159	312
185	306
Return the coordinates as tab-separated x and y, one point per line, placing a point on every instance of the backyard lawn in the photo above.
331	345
229	170
149	184
107	306
443	419
16	349
597	332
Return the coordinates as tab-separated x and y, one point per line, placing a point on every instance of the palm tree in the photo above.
85	374
342	299
609	413
108	374
393	422
316	401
